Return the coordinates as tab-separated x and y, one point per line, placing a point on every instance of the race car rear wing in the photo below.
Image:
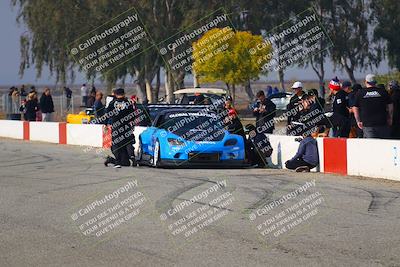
152	110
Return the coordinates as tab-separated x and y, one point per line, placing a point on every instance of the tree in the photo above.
266	16
386	78
387	15
237	58
317	61
353	47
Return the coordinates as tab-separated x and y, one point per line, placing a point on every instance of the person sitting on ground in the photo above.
312	121
307	157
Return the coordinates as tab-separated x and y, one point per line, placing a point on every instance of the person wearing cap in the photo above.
123	139
294	102
373	110
394	92
340	107
264	110
232	121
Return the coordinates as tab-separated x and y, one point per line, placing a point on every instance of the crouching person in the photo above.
258	147
306	157
122	127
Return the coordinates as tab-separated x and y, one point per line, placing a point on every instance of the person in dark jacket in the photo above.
311	118
394	91
258	147
68	96
264	110
340	107
232	121
373	110
297	88
319	101
122	134
91	99
31	107
46	105
355	132
23	91
98	106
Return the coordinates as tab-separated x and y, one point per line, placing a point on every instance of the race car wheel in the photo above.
156	157
140	154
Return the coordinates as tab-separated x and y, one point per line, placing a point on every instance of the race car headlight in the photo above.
230	142
175	142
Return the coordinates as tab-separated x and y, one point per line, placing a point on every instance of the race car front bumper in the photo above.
176	163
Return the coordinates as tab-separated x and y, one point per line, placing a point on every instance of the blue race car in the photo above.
180	137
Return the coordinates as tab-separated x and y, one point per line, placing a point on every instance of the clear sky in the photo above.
10	57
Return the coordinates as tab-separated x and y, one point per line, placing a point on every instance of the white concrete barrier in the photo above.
12	129
85	135
44	131
374	158
320	142
285	147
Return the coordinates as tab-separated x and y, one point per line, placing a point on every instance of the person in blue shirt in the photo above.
306	158
275	90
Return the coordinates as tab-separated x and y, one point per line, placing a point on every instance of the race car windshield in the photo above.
195	126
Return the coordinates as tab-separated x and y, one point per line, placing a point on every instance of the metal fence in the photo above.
62	105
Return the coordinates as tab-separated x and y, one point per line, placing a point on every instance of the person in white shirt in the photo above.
84	94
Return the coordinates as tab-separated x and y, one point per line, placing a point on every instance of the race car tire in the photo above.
140	154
